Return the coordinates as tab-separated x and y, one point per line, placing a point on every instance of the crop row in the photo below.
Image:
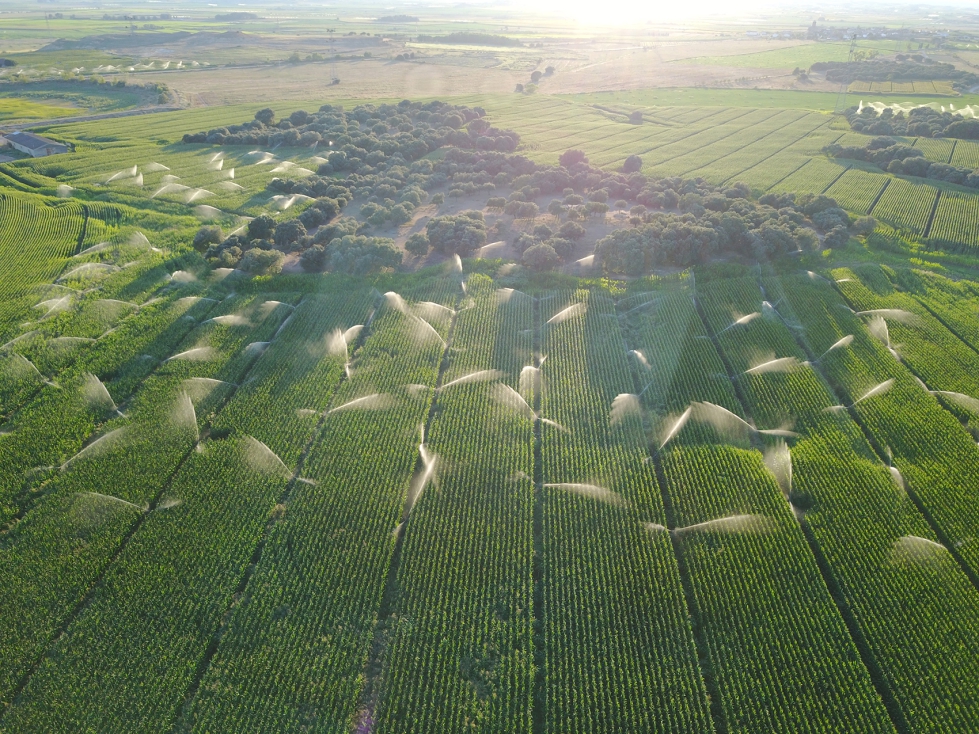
957	218
460	630
856	191
725	157
36	239
757	594
53	554
618	650
930	446
295	647
908	598
905	205
127	661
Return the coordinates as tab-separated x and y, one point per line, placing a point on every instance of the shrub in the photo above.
261	227
207	235
417	245
457	234
262	262
540	257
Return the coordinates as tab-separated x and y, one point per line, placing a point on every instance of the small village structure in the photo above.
33	145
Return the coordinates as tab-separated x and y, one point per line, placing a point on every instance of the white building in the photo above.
34	145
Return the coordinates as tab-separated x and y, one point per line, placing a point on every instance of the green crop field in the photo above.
416	405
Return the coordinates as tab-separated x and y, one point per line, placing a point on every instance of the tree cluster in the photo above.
894	70
903	160
773	226
922	122
468	38
350	139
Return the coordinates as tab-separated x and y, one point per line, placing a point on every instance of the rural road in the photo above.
88	118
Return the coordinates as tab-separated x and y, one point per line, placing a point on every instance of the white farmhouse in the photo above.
34	145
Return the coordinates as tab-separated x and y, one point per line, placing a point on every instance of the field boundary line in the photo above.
741	149
777	152
833	182
717	140
931	217
880	193
26	490
877	677
801	166
538	701
767	157
943	538
952	152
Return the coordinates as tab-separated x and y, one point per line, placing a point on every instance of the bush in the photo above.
865	226
542	232
632	164
417	245
836	238
571	157
261	227
571	231
540	257
564	248
262	262
314	259
460	234
359	255
288	233
207	235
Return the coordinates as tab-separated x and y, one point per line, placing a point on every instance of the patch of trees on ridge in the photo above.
895	157
922	122
469	38
888	70
412	129
673	221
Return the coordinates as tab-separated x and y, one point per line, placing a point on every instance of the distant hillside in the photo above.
398	19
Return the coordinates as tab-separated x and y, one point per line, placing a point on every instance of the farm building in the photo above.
34	145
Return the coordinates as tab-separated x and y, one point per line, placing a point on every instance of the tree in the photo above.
635	117
314	259
518	89
261	227
417	245
535	76
209	234
865	225
549	71
540	257
262	262
359	255
571	157
459	234
571	231
555	207
265	116
288	232
632	164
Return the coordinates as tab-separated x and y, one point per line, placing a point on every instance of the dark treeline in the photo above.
894	70
895	157
921	122
469	38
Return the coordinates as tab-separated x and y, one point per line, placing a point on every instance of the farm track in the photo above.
37	124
